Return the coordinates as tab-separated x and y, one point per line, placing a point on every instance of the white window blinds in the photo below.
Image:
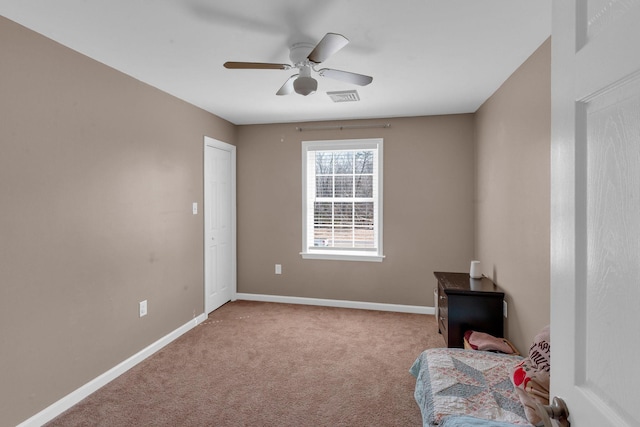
342	199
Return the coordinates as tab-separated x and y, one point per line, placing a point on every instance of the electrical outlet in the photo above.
143	308
278	269
504	308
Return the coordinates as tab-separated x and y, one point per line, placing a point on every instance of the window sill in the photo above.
343	256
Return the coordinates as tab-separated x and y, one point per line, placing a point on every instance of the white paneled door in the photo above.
595	210
220	223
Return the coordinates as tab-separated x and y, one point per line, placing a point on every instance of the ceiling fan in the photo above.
305	57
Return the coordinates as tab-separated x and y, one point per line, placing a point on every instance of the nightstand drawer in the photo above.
442	311
442	325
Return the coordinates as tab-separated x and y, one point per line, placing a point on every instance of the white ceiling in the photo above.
427	57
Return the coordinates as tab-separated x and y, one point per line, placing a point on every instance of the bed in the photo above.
463	387
451	381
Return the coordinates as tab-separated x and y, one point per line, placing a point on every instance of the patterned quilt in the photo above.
466	382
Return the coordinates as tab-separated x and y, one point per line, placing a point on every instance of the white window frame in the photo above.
343	254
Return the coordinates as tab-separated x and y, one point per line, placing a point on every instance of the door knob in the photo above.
557	410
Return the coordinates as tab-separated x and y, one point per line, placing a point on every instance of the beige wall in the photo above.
97	175
428	212
98	172
513	136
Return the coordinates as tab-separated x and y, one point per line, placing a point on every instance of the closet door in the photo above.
219	210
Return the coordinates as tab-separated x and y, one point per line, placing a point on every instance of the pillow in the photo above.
481	341
531	376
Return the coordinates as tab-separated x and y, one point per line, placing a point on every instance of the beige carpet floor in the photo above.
267	364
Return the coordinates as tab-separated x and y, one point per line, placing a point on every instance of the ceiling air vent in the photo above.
344	96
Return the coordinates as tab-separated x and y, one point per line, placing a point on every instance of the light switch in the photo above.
143	308
278	269
195	208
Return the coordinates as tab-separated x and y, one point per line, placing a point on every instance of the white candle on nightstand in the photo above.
474	270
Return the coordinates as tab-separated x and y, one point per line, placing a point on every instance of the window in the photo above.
342	199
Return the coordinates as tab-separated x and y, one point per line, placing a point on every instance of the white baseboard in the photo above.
76	396
417	309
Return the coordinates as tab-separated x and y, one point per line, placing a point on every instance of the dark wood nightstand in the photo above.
468	304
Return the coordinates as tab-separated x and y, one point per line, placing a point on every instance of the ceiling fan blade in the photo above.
256	66
287	87
346	76
330	44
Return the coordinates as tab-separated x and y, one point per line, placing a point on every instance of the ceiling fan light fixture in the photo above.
305	56
305	85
